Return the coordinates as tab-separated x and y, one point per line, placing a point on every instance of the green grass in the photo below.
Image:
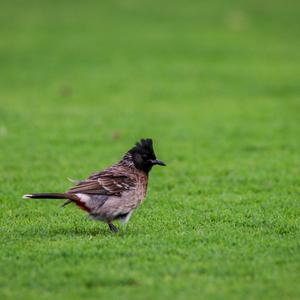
215	84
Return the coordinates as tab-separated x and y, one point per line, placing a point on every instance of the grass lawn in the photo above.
215	84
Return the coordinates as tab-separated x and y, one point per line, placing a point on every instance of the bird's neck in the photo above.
127	161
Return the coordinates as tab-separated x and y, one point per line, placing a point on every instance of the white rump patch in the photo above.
83	197
27	196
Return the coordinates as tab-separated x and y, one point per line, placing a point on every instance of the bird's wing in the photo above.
105	183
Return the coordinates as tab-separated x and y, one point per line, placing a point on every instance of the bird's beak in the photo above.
158	162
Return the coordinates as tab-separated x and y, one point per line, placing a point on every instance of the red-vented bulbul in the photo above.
113	194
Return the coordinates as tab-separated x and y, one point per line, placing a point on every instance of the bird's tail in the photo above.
69	196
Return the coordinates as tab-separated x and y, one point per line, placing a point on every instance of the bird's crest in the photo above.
144	146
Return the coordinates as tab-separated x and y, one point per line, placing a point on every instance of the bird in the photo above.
114	193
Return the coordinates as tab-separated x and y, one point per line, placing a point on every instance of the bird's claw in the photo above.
113	228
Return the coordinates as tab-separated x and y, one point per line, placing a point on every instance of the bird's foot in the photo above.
113	228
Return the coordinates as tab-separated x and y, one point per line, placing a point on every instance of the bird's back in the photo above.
113	192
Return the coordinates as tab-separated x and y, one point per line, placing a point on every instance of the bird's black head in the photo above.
143	155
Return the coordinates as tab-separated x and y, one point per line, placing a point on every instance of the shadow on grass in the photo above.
84	232
80	231
96	231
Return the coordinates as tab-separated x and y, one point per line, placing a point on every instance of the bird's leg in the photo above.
112	227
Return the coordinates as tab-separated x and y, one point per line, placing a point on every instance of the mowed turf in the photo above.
215	84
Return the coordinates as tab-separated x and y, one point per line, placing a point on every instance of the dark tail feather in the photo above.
67	202
71	197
